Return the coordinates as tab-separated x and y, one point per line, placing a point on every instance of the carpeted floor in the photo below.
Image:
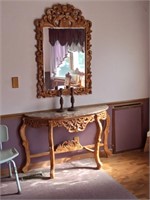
74	180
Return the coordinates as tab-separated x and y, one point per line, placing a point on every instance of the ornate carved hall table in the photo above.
73	121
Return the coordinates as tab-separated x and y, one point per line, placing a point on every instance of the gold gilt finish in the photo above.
62	16
70	145
74	125
73	122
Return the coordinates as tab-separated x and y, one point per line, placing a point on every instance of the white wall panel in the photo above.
120	53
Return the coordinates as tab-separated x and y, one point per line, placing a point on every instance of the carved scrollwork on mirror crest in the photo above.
62	16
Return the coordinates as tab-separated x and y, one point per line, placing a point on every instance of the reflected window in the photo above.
73	63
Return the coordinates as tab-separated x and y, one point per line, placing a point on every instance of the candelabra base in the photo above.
72	109
60	110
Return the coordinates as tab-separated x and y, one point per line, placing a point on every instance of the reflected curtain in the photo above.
62	40
58	54
67	36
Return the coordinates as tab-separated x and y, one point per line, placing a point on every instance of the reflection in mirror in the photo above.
64	58
63	53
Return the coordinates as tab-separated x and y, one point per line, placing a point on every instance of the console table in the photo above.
73	121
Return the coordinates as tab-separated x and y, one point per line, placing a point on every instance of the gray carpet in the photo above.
74	180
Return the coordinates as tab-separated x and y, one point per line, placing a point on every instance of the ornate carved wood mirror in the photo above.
63	53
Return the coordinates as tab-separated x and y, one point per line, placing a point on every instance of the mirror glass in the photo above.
63	52
64	57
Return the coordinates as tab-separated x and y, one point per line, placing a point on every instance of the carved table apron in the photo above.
74	121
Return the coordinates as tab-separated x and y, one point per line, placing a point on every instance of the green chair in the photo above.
7	155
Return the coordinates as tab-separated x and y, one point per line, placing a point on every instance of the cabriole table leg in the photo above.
97	142
25	143
106	132
51	149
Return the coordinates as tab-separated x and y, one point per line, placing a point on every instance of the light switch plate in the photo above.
15	83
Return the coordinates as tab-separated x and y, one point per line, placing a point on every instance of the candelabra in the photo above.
72	100
61	101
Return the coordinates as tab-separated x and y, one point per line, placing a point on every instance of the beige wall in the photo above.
120	53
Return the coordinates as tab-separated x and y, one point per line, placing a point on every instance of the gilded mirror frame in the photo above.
62	16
